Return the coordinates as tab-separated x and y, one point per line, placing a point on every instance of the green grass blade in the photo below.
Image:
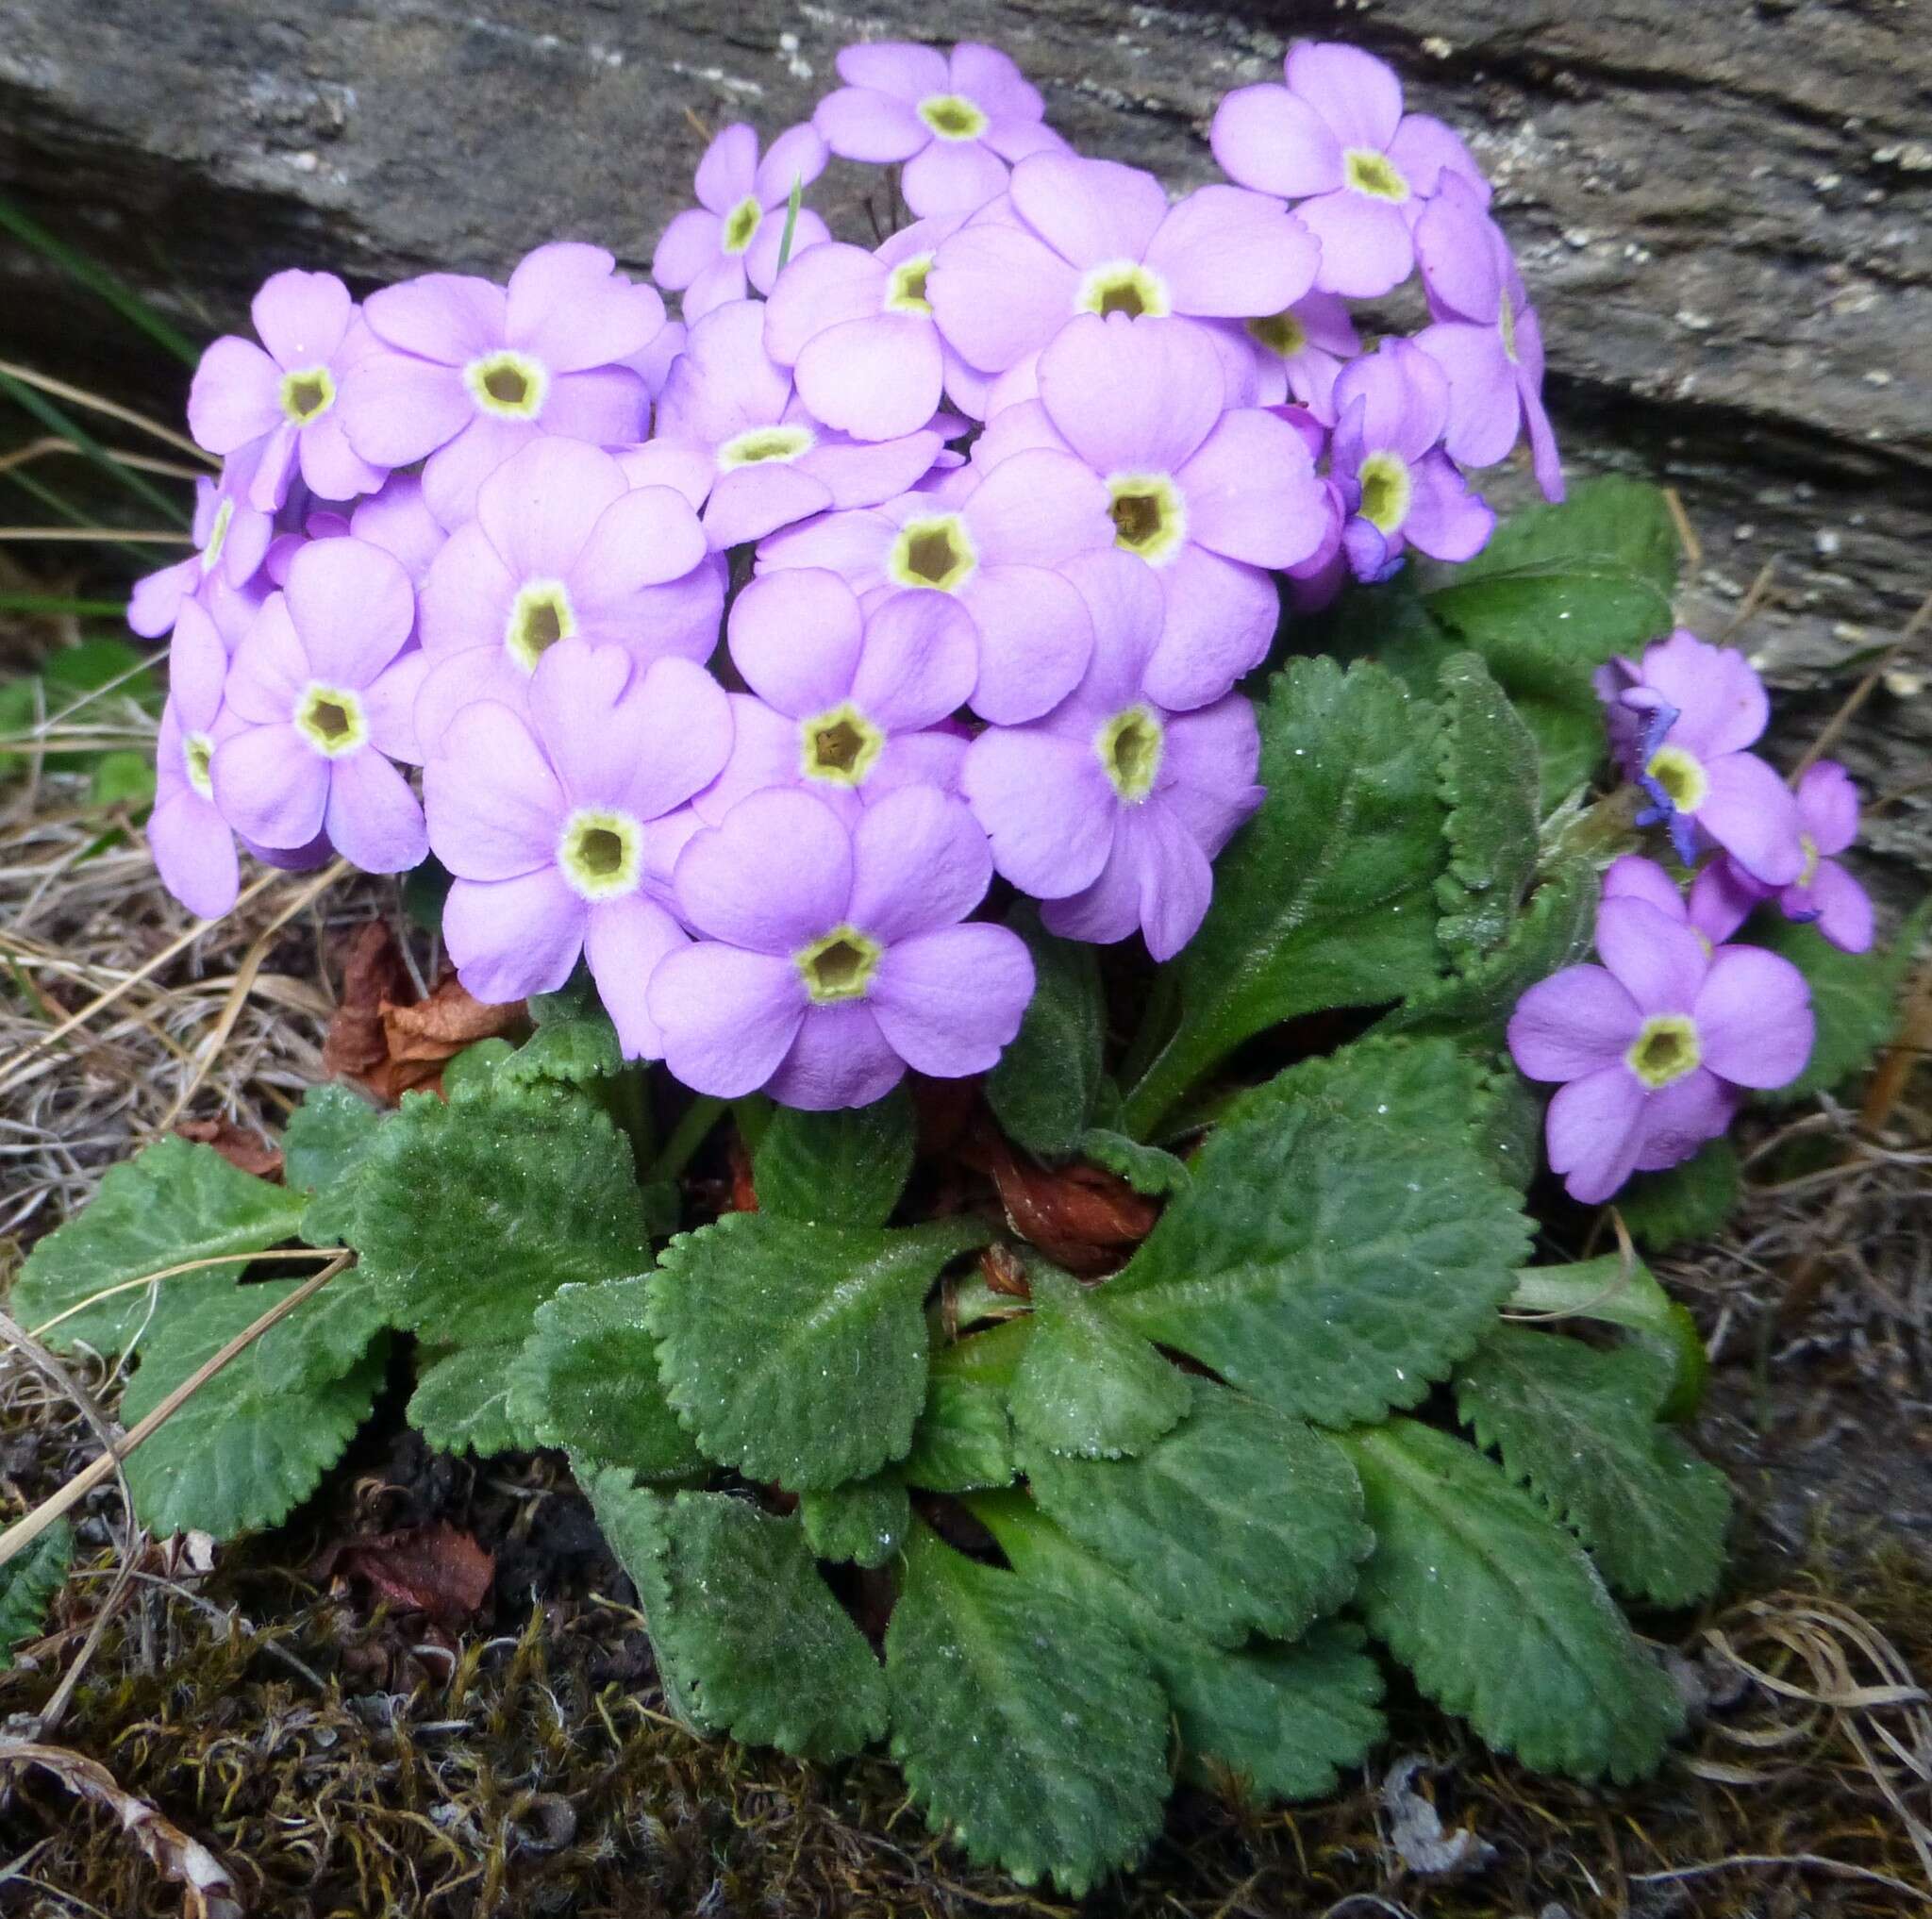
50	416
60	603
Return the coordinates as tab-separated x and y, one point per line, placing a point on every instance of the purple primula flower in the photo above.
1295	354
283	401
193	847
993	539
232	539
849	703
465	372
830	957
325	703
1111	807
562	544
1486	337
862	339
398	520
733	234
1679	722
1336	138
1654	1044
1402	489
561	823
1824	895
1210	500
1095	236
734	438
955	123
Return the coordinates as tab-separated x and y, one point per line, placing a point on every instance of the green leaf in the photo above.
1326	897
1237	1520
1047	1086
171	1203
962	1438
463	1401
1557	591
1032	1728
1578	1425
1609	1292
471	1074
1149	1170
1329	1258
122	778
572	1052
747	1634
27	1584
468	1216
254	1441
865	1521
1689	1201
795	1352
587	1380
1285	1719
1853	996
1499	1614
1085	1383
846	1167
1491	787
324	1147
1474	1006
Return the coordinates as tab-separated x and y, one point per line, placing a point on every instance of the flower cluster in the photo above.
991	518
1655	1047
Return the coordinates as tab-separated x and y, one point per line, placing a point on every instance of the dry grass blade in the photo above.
51	446
1828	735
80	397
207	1888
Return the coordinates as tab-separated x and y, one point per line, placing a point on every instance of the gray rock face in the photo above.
1723	209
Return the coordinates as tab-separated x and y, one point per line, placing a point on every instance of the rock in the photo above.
1725	211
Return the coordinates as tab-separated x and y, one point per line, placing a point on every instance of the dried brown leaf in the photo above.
241	1146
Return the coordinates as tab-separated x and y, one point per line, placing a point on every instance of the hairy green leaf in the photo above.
1688	1201
1499	1614
1490	785
1045	1088
469	1215
27	1584
565	1052
1326	897
1853	996
842	1168
1085	1383
865	1521
324	1147
463	1401
587	1380
797	1352
255	1440
1578	1425
1331	1258
748	1636
1238	1521
1031	1727
171	1203
472	1074
962	1438
1613	1293
1149	1170
1283	1718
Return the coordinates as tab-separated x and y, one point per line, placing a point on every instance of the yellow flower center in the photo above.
1387	489
1809	872
936	553
509	385
952	116
307	395
1150	517
741	225
540	616
840	746
1665	1050
1280	333
218	536
840	966
906	290
332	720
197	756
758	444
1681	776
1123	286
1374	174
602	853
1130	747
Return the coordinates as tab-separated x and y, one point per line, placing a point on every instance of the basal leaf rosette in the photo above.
1087	910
